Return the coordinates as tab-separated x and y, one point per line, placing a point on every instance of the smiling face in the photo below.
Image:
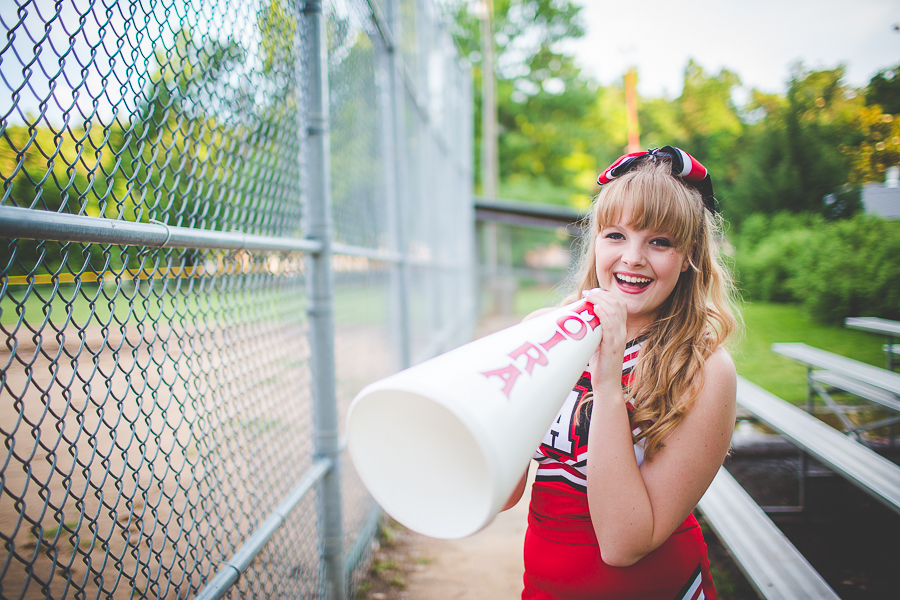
645	228
641	267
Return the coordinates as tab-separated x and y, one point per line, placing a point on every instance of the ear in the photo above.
687	258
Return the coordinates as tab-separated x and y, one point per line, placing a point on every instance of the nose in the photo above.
633	255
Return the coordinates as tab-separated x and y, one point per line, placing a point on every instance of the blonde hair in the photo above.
698	316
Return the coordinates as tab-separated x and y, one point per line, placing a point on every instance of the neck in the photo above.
635	326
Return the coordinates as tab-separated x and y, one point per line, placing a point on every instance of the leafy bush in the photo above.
834	269
853	271
768	270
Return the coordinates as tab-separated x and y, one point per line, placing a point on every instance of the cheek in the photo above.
601	257
672	268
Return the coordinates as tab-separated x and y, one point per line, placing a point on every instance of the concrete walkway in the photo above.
485	566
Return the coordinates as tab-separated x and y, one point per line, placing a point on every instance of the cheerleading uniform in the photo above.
562	556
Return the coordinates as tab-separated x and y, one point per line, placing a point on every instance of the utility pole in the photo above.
490	164
631	111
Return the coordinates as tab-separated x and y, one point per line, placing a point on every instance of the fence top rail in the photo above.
874	325
529	214
26	223
860	465
563	214
822	359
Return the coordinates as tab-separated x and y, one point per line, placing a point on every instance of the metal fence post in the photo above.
397	197
320	301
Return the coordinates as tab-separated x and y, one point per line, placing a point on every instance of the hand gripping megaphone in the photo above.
442	445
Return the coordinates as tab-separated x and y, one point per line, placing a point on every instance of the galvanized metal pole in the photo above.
320	300
393	113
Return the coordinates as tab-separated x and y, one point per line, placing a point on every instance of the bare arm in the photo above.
517	493
634	510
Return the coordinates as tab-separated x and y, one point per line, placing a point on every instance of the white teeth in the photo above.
630	279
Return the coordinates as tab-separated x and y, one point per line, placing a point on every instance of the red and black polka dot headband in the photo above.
683	165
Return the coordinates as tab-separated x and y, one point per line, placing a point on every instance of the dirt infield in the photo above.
485	566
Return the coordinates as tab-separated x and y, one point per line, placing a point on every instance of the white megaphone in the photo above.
442	445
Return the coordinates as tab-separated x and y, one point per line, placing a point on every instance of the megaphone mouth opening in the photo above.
421	463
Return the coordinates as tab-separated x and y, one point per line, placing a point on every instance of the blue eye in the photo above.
661	242
614	236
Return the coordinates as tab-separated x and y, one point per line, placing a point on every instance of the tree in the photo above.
703	120
884	90
541	95
793	156
879	127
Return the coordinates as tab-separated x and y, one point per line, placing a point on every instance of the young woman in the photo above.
639	440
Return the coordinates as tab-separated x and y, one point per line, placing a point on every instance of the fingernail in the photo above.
584	293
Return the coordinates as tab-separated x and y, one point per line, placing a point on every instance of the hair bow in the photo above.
683	165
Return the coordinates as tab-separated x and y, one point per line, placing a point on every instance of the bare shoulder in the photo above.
719	368
719	382
539	312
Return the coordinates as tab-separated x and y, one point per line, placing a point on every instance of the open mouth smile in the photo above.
632	283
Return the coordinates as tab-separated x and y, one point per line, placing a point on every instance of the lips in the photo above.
632	283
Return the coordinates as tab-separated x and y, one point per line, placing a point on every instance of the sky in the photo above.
758	40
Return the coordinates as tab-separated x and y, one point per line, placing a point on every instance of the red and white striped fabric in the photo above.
684	166
562	455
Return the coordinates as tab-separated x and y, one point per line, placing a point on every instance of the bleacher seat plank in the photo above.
854	369
858	388
767	558
869	471
874	325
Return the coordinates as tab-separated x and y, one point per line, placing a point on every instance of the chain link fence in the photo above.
221	220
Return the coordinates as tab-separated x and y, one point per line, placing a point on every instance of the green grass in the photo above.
768	323
180	304
353	305
531	298
360	305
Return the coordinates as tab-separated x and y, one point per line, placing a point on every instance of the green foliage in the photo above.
534	297
878	147
833	269
884	90
793	155
851	269
809	149
543	101
767	272
703	120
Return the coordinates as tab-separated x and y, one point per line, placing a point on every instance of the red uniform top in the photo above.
562	556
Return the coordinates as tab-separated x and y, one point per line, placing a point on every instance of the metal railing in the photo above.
222	219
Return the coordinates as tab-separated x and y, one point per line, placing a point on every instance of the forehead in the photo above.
651	216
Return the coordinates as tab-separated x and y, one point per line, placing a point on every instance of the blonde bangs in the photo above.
653	203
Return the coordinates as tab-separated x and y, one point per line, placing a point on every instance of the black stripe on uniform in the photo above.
684	590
